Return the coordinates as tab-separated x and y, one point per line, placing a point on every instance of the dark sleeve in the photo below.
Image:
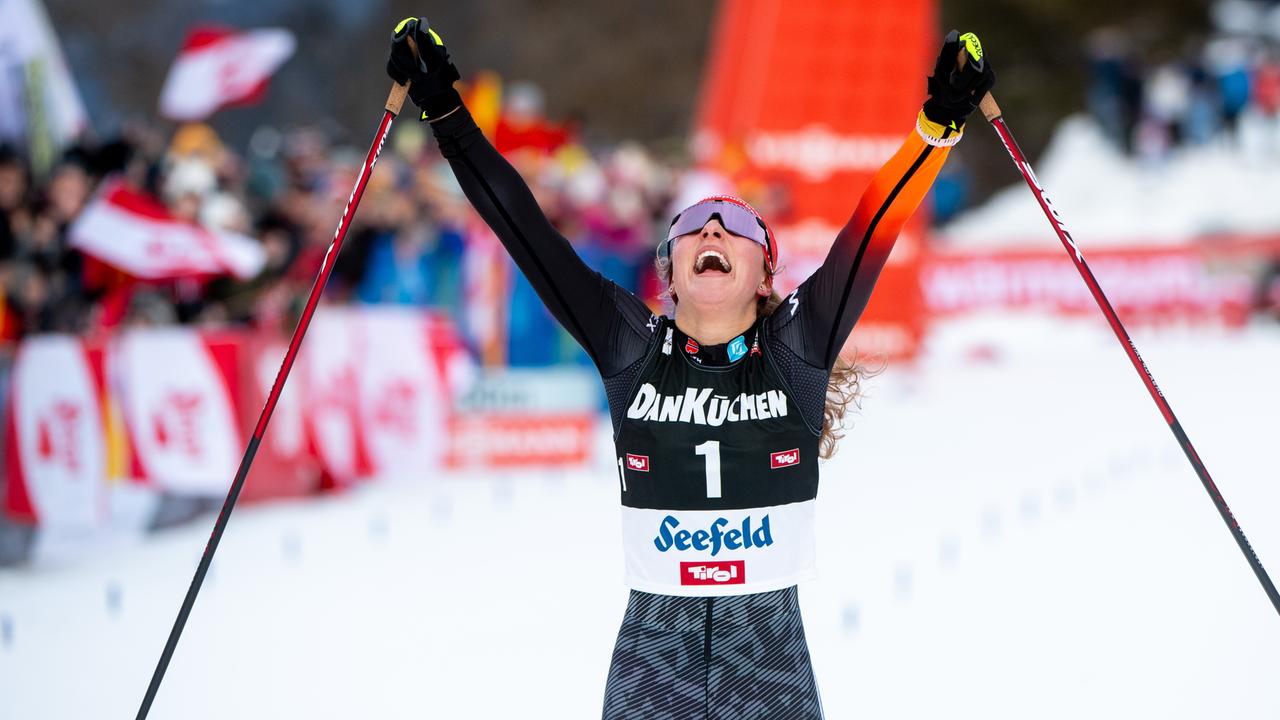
610	323
816	319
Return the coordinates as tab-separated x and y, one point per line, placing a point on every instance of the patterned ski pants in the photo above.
739	658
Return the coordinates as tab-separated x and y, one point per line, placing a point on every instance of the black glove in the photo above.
427	70
955	92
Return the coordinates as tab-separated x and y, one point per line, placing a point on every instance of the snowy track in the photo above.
1009	531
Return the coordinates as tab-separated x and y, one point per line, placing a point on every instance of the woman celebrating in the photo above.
721	412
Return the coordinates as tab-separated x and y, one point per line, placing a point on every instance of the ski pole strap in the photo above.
933	133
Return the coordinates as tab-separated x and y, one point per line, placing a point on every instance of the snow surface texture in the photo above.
1009	531
1220	188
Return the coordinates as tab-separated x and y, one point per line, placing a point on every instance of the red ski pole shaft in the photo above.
394	102
992	112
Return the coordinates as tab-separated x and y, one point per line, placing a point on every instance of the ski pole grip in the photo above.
395	100
990	110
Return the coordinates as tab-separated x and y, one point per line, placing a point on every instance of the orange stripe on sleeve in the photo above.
838	291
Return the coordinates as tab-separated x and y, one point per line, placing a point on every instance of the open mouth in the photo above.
711	261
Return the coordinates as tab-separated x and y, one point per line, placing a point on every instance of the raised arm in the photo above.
582	300
604	318
825	307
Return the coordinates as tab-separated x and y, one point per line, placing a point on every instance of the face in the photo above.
713	269
13	185
68	190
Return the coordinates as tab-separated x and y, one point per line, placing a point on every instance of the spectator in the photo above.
1227	62
1114	88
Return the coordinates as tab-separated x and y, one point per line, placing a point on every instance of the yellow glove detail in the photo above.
973	45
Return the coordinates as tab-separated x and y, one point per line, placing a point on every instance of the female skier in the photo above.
721	412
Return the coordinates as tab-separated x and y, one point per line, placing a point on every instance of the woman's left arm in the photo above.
829	302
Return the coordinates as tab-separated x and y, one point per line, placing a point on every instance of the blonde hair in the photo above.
844	386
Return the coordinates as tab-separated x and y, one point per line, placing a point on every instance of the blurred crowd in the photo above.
1220	87
409	244
415	240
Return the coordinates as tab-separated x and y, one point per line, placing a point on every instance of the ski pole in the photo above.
394	102
992	112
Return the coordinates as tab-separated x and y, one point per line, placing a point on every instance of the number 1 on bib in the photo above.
711	450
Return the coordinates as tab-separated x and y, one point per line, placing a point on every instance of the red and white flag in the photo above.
135	233
219	67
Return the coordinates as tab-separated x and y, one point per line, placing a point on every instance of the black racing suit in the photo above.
717	445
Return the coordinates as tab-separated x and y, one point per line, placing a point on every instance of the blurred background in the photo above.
1008	530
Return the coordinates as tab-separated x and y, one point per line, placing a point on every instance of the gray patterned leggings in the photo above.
681	658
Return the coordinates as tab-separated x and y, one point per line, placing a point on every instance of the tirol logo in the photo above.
57	435
784	458
731	572
714	539
639	463
396	408
691	346
176	424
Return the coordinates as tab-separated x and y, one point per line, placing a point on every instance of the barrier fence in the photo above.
93	423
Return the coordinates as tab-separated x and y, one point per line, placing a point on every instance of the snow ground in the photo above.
1009	531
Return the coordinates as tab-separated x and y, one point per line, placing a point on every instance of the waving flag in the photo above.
219	67
134	233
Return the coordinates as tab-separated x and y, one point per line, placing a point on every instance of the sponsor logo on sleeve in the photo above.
729	572
639	463
784	458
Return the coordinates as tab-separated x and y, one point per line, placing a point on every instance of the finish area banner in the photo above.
168	411
801	103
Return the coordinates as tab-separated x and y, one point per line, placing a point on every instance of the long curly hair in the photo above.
844	386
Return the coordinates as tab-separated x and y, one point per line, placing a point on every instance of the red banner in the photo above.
520	439
284	465
1214	280
55	455
178	391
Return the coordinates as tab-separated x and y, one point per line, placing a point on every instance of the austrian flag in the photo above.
218	67
133	232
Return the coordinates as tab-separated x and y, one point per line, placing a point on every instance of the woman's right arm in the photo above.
595	311
611	324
